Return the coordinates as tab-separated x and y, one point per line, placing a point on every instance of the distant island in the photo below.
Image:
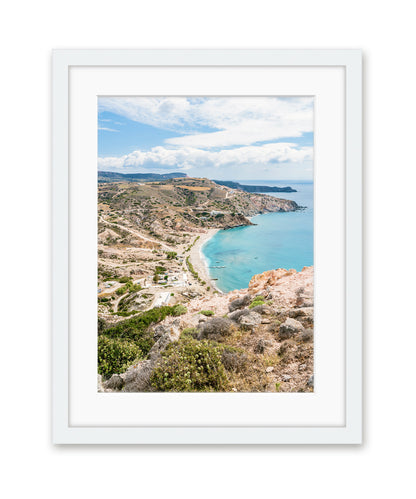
253	188
137	177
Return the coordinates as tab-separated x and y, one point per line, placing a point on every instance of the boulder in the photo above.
137	377
215	328
234	316
116	382
290	328
307	335
306	312
250	321
239	303
262	309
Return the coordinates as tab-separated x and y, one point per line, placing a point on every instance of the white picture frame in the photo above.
350	431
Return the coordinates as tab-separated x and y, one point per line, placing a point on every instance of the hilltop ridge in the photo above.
135	177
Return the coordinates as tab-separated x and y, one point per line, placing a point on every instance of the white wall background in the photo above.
383	466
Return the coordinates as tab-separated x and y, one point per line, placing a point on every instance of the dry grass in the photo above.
103	206
191	188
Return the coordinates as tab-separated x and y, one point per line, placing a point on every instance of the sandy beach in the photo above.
197	259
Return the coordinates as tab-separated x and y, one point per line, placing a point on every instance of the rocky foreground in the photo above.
254	340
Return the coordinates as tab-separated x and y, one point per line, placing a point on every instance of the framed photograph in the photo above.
207	247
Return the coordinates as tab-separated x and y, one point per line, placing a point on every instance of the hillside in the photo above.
254	340
149	236
253	188
136	177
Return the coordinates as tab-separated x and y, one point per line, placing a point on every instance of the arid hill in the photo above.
149	235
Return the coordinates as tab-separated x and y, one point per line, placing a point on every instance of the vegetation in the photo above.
189	365
208	313
178	309
128	287
116	355
258	300
123	279
192	269
121	345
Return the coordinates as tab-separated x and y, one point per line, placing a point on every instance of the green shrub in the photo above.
101	325
179	309
208	313
258	300
189	365
189	332
136	328
124	279
124	313
191	268
116	355
129	287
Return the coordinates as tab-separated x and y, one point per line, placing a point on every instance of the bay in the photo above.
278	240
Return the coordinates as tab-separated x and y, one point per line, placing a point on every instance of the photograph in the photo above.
205	244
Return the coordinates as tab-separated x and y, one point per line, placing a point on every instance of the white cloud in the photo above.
186	158
218	121
105	129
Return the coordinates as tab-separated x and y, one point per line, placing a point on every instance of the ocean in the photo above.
278	240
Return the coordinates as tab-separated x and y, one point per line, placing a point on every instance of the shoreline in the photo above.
198	260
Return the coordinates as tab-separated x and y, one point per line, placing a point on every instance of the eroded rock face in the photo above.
286	288
171	334
269	278
290	328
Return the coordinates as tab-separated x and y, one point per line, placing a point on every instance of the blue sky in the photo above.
216	137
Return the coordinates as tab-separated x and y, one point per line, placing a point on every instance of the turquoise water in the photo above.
279	240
